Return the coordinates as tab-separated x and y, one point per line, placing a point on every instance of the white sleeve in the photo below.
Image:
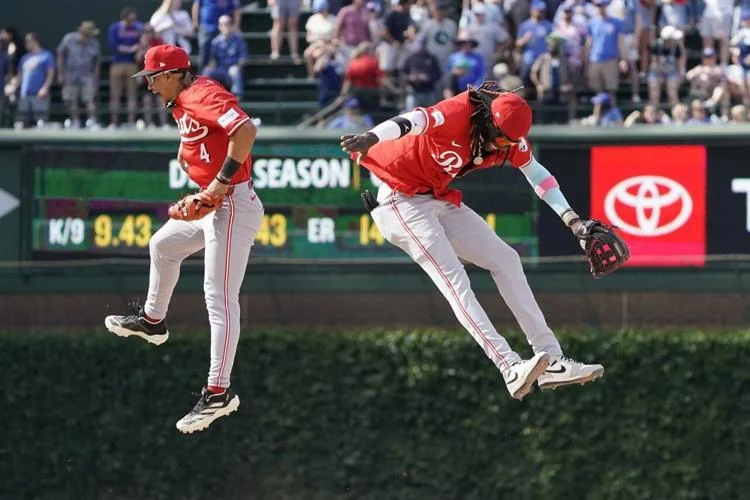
545	186
409	123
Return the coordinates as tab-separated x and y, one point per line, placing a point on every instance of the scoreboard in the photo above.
110	201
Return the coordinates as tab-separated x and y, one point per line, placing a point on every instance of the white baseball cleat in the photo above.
209	407
135	324
520	377
565	371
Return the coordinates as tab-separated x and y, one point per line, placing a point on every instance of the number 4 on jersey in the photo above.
204	153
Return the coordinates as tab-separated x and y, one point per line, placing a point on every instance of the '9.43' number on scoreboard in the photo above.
130	230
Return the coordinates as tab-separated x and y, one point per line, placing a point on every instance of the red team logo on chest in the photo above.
190	130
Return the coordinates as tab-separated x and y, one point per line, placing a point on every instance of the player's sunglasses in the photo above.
498	138
150	78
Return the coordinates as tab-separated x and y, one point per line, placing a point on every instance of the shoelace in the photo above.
135	306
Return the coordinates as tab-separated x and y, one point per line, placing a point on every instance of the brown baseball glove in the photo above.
195	206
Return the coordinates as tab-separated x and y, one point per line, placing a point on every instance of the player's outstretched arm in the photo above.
410	123
605	250
546	187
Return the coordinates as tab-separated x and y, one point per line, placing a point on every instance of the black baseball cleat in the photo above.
136	324
209	407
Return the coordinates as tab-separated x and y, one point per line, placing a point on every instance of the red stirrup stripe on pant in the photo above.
447	282
226	289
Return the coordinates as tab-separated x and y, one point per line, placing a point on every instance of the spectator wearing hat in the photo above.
78	57
36	73
667	67
708	82
124	36
352	118
351	27
492	12
716	25
552	76
605	49
531	38
228	54
605	114
173	24
285	14
439	32
421	74
493	39
206	14
465	67
319	29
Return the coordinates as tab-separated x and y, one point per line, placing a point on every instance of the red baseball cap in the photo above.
512	115
164	58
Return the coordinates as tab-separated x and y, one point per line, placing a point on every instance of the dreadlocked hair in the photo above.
481	118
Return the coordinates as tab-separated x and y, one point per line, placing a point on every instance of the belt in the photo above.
230	190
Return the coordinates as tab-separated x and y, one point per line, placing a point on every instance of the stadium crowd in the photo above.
563	55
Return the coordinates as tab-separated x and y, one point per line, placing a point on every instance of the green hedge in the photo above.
397	415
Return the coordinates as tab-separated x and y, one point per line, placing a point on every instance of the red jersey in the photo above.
364	72
431	161
206	115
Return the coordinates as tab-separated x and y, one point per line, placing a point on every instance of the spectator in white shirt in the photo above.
173	24
319	28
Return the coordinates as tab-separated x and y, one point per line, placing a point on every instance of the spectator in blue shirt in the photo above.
228	53
626	11
605	48
352	118
465	67
206	14
531	38
124	37
36	72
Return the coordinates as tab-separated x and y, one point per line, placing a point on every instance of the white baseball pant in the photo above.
435	234
227	236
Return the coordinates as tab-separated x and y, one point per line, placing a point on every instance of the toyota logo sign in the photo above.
647	197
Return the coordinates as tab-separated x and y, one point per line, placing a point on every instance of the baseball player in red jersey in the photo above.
417	155
216	136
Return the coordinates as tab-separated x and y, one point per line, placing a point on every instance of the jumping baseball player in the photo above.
417	155
223	218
